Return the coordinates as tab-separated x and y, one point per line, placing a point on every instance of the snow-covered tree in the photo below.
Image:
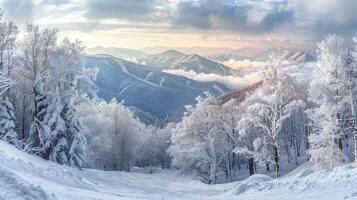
7	123
8	36
229	114
352	74
68	67
197	142
329	93
271	107
36	52
75	139
114	134
53	68
153	152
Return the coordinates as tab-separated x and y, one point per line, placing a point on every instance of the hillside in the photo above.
238	95
172	59
23	176
152	91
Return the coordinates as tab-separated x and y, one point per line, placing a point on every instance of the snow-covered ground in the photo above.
23	176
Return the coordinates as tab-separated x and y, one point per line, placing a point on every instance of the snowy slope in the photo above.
172	59
23	176
152	91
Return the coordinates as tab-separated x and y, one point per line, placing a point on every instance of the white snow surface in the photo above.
24	176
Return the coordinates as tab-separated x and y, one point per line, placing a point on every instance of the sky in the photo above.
231	24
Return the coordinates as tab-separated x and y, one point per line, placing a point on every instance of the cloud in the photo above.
301	20
244	17
230	81
20	11
143	10
326	16
246	63
55	2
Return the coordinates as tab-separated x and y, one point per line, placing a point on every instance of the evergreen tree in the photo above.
75	138
7	123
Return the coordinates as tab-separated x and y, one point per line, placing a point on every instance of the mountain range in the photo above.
253	54
153	93
172	59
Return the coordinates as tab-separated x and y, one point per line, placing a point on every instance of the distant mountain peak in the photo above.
172	53
174	60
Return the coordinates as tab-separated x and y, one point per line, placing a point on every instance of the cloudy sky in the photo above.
190	23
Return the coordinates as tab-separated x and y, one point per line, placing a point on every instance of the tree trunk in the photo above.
276	160
251	166
212	177
355	141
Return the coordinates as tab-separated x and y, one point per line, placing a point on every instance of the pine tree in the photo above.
47	137
7	123
76	140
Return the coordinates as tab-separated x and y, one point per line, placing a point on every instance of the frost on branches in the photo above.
267	111
55	132
198	142
329	92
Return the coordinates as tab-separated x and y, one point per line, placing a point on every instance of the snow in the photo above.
125	70
24	176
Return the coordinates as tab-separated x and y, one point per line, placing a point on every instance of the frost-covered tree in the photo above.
8	36
68	67
7	123
329	93
52	69
114	134
271	107
154	149
36	51
352	74
75	139
229	115
198	142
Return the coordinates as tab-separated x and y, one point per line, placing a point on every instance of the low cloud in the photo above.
246	63
230	81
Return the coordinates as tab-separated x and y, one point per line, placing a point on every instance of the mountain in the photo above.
186	50
172	59
122	53
239	95
290	55
155	93
298	57
221	57
253	54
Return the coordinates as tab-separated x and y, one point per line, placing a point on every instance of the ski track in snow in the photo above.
218	89
124	89
149	75
162	80
125	70
24	176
